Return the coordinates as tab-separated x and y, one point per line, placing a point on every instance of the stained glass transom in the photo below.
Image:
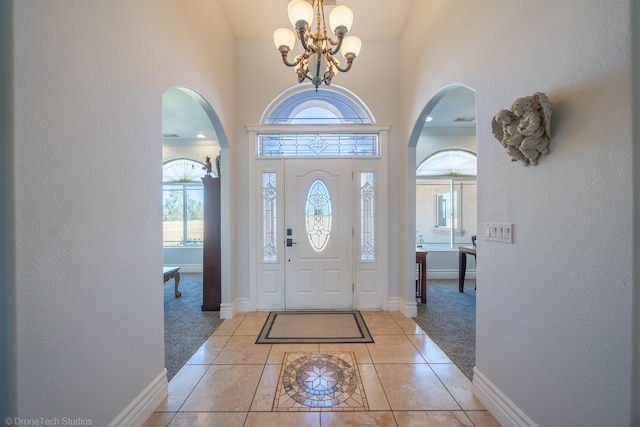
318	106
269	217
367	216
318	215
318	144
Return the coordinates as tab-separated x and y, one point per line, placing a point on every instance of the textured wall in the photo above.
555	307
89	78
7	283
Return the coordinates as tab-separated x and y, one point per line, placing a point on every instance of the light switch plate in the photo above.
498	232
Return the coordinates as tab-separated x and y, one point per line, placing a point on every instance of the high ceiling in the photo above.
184	118
373	19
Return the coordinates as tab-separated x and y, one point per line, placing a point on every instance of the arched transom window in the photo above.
325	109
448	163
321	107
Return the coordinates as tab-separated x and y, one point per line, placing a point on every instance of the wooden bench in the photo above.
173	273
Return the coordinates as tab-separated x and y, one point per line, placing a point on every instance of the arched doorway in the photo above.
445	131
444	210
191	132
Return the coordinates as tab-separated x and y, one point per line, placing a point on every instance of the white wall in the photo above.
373	81
7	259
555	307
635	332
88	82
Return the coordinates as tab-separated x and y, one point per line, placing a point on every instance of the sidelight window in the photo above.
367	216
269	217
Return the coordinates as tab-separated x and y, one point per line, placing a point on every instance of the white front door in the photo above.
318	234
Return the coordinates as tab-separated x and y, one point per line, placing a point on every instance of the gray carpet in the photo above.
449	318
186	326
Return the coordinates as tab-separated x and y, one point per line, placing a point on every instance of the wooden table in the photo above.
421	283
462	263
173	273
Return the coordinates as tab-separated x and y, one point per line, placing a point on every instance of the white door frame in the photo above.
266	284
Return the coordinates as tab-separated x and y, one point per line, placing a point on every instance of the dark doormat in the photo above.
314	327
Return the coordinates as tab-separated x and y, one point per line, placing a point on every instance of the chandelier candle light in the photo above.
317	63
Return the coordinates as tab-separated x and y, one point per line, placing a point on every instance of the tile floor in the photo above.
405	378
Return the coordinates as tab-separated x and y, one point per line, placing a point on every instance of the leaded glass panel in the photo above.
367	217
318	215
269	217
317	144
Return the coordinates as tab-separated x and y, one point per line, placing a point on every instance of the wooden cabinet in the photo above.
421	276
211	273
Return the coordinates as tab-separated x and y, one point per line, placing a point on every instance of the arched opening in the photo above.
191	132
188	133
444	214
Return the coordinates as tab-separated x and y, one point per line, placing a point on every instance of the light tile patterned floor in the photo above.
317	381
404	379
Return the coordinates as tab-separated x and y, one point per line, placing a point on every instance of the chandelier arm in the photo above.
285	53
338	46
347	68
302	32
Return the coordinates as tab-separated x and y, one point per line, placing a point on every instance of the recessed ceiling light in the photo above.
200	135
429	118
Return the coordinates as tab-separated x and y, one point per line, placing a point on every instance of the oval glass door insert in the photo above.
318	215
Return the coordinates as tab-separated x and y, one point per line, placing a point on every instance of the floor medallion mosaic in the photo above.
315	382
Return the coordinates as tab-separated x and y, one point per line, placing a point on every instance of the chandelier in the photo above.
317	63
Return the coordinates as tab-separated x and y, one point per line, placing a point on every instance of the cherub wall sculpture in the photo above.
525	129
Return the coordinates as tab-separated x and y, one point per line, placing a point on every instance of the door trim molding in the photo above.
367	295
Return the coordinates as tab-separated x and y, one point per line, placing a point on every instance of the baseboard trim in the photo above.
188	268
227	310
500	406
243	304
138	411
448	274
409	309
